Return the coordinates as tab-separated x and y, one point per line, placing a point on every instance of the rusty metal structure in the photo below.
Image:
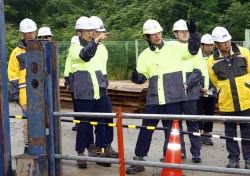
5	154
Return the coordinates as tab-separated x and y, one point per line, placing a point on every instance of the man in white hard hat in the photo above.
84	77
103	54
44	33
161	64
206	103
229	69
191	67
17	71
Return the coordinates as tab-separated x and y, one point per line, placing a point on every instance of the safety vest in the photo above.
232	78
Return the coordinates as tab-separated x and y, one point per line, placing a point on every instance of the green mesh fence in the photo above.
122	56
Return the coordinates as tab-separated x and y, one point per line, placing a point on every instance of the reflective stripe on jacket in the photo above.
231	78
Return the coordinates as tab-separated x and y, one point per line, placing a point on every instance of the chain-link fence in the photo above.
122	56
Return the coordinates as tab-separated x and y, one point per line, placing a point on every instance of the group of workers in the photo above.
185	77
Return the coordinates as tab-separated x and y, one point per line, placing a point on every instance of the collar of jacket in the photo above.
83	42
234	51
153	48
206	56
22	44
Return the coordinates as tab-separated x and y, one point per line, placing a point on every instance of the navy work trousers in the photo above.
84	136
189	108
231	130
206	106
145	136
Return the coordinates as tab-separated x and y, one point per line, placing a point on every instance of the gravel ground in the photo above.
215	155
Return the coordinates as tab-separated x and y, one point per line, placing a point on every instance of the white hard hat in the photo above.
84	23
207	39
27	25
98	24
220	34
44	31
75	39
180	25
151	27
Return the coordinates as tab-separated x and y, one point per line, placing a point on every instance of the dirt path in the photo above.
211	155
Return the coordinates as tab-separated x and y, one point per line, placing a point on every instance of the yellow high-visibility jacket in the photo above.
17	74
89	82
232	78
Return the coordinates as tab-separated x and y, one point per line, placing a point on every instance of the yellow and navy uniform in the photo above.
231	76
17	73
165	80
89	82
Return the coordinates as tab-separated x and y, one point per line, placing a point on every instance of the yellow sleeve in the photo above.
246	53
13	66
211	73
68	64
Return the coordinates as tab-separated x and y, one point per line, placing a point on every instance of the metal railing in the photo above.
120	116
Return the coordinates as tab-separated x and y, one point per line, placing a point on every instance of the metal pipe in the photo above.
158	164
154	116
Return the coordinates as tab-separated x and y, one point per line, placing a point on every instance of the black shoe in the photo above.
102	155
74	128
233	164
247	163
133	169
26	150
183	156
196	159
206	140
81	163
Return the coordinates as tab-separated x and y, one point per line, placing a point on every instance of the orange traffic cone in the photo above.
173	153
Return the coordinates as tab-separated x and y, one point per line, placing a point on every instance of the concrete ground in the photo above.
215	155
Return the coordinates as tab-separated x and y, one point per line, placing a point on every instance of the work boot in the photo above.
74	128
196	159
109	152
233	163
133	169
183	156
81	163
206	140
101	154
26	150
247	163
92	150
162	159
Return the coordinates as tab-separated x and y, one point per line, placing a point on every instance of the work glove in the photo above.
191	26
138	78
